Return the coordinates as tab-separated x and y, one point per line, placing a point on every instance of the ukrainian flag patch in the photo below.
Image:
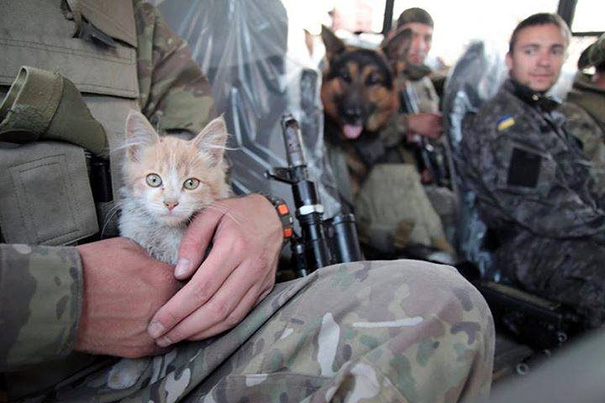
505	122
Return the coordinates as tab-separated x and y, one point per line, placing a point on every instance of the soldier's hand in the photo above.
238	272
426	124
123	288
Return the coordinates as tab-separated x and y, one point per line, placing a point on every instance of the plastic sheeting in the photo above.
260	69
475	78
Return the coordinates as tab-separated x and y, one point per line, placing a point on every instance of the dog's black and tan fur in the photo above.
358	90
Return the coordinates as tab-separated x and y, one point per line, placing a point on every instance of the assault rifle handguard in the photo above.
429	157
321	243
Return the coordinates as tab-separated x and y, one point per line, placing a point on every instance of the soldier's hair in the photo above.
539	19
415	14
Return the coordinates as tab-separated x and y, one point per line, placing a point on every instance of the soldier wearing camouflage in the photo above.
536	190
415	77
394	331
585	107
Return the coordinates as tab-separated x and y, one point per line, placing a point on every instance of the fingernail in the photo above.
163	342
155	329
182	267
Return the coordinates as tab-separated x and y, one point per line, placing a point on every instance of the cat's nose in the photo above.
171	205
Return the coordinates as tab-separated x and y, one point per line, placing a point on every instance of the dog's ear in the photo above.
333	44
397	44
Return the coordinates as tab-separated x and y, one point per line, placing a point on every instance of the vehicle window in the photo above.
588	16
455	25
458	23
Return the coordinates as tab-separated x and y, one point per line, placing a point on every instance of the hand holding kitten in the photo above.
237	274
123	288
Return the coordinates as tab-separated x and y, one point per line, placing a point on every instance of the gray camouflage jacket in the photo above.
528	173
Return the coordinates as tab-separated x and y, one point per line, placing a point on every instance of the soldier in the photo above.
428	122
70	304
536	190
422	128
585	107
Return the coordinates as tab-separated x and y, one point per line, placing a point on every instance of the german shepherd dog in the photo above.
358	90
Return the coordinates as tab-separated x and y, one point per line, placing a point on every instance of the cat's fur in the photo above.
146	215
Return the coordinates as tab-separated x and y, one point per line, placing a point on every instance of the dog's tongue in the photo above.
352	131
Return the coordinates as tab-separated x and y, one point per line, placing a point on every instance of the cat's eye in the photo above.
154	180
191	183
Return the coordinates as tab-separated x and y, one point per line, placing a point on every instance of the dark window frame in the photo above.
566	9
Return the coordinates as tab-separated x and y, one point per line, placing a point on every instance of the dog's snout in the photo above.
352	113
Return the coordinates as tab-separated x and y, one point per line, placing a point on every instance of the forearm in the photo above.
175	94
40	303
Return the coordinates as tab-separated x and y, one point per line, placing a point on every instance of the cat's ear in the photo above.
139	134
212	139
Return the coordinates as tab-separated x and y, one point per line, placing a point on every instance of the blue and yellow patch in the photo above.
505	122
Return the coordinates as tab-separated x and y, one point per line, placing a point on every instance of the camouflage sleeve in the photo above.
548	208
40	303
174	93
587	130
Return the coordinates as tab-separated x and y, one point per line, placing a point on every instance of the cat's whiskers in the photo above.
112	212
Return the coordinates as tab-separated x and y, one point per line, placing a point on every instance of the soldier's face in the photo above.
422	38
538	56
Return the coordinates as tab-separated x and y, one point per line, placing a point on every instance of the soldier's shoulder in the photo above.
501	103
499	110
572	110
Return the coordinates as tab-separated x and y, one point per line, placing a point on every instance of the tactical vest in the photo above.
46	197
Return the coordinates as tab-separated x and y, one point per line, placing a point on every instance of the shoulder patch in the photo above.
505	122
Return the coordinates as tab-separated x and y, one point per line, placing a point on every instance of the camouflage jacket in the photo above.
590	97
394	134
585	113
41	286
428	102
528	173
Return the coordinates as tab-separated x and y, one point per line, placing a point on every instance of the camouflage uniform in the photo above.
442	199
536	191
585	113
390	204
384	331
394	331
585	92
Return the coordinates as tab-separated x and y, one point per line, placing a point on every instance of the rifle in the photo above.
540	323
427	156
322	242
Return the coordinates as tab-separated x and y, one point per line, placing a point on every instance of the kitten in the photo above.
166	181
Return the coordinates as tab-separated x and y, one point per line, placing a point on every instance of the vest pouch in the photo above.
45	194
42	105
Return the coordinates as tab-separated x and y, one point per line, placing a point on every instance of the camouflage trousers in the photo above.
446	205
397	331
568	271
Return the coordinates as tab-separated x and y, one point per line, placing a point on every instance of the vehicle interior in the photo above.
264	61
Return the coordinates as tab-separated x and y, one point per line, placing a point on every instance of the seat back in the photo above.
259	69
474	79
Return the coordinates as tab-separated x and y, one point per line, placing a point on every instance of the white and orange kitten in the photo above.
166	181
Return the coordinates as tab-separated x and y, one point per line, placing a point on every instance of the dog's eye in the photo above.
374	79
345	76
